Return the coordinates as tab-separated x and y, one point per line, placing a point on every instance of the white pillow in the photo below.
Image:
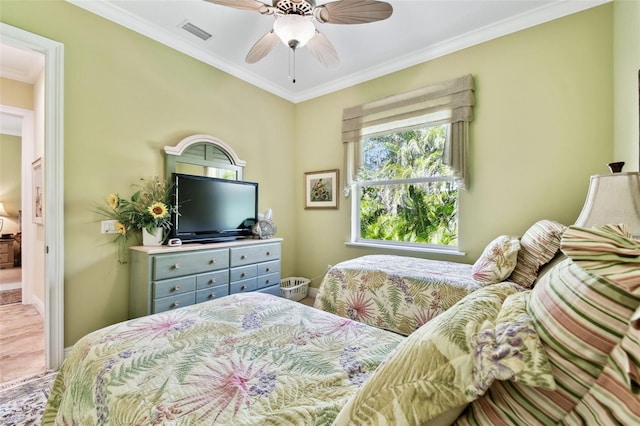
497	261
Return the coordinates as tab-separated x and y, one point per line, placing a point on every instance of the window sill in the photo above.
401	247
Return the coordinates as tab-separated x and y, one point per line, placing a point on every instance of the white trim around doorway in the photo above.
54	184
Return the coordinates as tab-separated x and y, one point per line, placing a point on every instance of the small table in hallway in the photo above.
6	252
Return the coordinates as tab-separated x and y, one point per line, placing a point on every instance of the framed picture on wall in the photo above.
321	189
37	192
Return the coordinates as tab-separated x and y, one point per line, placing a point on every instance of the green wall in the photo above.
543	126
16	93
10	176
125	98
626	79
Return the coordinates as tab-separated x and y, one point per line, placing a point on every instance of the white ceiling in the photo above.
417	31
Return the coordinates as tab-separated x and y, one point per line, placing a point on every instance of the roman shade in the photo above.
440	103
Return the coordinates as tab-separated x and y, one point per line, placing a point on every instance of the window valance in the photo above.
445	102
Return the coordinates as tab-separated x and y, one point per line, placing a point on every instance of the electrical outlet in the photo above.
109	226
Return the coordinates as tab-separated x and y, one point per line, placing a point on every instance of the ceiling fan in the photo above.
294	27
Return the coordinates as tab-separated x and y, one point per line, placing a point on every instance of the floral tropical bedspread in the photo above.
246	359
394	292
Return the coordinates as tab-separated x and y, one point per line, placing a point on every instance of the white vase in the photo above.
154	239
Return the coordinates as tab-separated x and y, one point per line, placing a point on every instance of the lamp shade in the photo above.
294	30
613	199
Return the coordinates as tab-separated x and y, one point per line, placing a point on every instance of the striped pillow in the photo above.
614	398
582	310
537	246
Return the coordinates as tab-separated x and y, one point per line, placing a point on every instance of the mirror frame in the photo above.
175	155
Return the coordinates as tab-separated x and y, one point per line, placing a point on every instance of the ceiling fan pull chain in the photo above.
292	65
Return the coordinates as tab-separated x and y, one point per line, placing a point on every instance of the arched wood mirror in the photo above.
203	155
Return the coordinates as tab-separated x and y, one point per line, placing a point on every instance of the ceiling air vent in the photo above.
196	31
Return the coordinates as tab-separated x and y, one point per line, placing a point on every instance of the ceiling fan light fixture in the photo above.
294	30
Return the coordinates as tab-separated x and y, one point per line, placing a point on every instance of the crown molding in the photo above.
535	17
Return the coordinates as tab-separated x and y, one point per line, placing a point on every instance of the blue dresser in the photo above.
164	278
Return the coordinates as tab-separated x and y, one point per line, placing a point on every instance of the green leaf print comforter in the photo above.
246	359
394	292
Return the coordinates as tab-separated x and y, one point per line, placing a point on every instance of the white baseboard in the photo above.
312	292
38	304
10	286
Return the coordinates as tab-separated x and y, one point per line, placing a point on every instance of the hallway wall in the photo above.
10	178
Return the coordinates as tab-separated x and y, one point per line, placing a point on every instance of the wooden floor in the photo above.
21	342
308	300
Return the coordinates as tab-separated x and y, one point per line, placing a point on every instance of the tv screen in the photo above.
211	209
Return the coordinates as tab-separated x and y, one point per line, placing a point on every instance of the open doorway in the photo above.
46	241
22	307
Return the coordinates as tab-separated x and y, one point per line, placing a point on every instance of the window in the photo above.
405	194
405	163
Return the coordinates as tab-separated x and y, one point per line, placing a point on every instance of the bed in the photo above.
249	359
394	292
562	352
401	294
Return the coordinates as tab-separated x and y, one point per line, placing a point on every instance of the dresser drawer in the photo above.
174	302
212	293
179	264
243	286
259	253
243	273
212	279
268	280
268	267
175	286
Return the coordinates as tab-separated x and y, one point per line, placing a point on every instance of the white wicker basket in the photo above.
294	288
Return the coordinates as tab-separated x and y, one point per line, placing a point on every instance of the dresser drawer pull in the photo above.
242	275
212	281
243	257
268	269
213	295
267	281
177	266
176	288
214	260
244	287
176	304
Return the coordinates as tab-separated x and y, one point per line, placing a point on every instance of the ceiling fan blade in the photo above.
242	4
322	49
352	11
262	47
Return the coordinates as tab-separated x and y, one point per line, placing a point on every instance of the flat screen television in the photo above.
211	209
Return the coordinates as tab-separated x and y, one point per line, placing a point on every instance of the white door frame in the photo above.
53	52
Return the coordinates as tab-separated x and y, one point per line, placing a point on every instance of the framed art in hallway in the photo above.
37	191
321	189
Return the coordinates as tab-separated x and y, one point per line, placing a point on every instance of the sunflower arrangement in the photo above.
148	208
